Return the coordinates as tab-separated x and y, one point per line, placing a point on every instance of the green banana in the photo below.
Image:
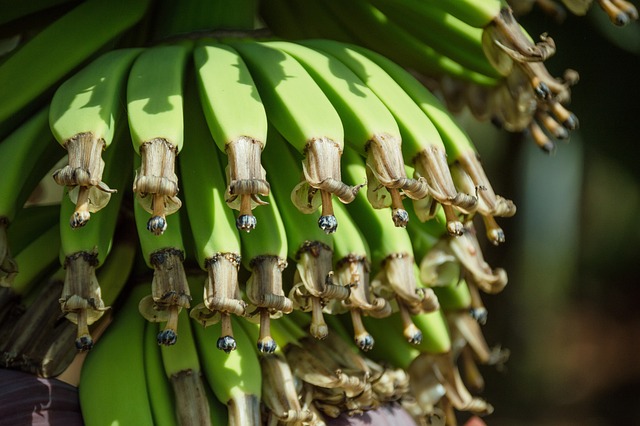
26	155
159	389
235	378
620	12
398	43
112	379
352	263
264	255
313	128
462	155
391	255
370	129
308	246
82	117
422	145
238	124
155	112
21	75
216	239
169	288
85	249
183	368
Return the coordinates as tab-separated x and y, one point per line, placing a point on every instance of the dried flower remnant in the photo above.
169	293
221	297
83	177
156	183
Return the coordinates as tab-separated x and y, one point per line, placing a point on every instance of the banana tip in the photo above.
167	337
267	345
226	344
480	315
157	225
79	219
246	222
328	223
84	343
400	218
365	342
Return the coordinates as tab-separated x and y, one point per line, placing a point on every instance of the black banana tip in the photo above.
167	337
246	222
548	147
416	338
365	342
329	224
571	123
400	218
480	315
267	345
84	343
226	343
542	91
79	219
157	225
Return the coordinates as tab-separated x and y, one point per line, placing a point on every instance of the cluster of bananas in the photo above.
240	280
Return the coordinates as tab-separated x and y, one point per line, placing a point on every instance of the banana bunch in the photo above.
334	270
475	54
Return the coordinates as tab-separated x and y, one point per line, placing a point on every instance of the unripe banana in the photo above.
26	155
308	246
159	389
370	129
264	254
85	249
154	107
216	239
352	264
422	145
82	116
235	378
112	380
237	121
301	112
169	288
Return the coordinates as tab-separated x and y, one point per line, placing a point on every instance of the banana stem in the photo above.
318	327
84	341
81	213
454	226
246	220
266	344
226	341
398	213
327	221
157	224
410	331
361	336
169	335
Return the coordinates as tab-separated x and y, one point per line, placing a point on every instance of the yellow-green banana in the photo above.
112	380
237	121
82	117
302	113
422	145
369	127
85	249
155	112
264	255
216	239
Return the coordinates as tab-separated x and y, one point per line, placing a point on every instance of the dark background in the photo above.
569	314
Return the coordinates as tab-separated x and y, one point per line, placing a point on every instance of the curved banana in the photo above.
82	117
85	249
26	155
169	287
235	377
182	366
370	129
462	155
155	112
422	145
308	246
107	393
352	265
237	121
302	113
21	74
215	237
264	255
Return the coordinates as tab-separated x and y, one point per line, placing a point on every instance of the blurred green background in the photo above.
569	314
